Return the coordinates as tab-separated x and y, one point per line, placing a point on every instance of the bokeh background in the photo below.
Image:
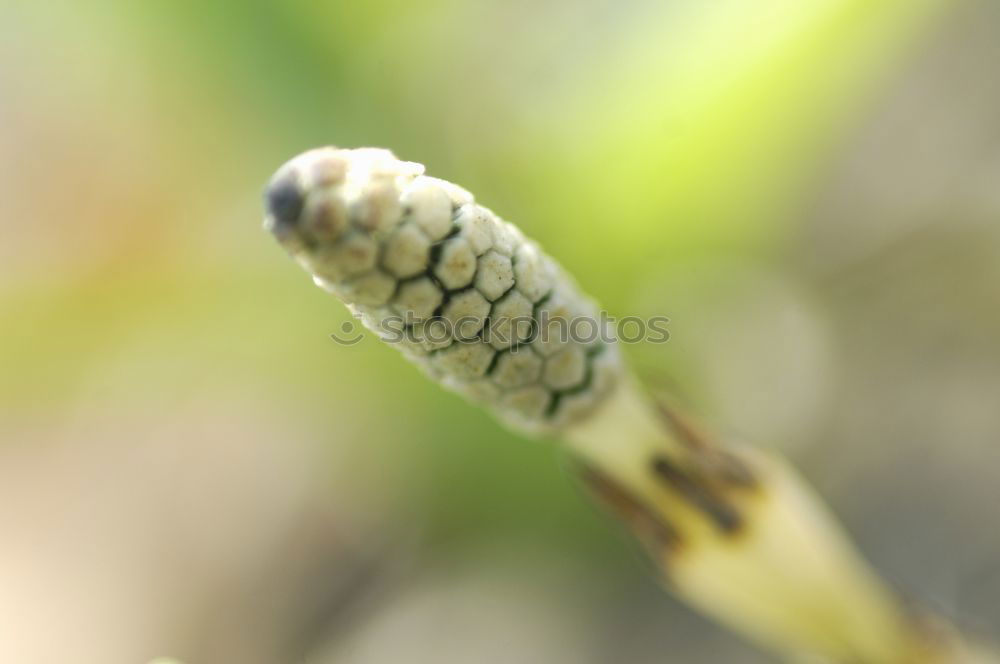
191	467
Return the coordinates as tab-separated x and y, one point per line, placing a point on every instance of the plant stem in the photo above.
739	535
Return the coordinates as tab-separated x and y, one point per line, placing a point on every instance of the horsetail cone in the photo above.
462	293
484	311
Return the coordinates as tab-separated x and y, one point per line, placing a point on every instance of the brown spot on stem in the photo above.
700	495
651	529
732	470
715	462
689	433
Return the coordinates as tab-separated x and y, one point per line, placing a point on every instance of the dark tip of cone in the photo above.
284	200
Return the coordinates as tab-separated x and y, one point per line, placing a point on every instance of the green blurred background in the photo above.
191	467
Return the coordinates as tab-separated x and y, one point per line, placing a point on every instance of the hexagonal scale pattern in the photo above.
354	254
371	290
466	312
511	321
495	275
456	265
325	217
554	317
517	369
430	207
430	335
417	299
530	273
406	251
464	361
475	223
566	368
506	238
528	403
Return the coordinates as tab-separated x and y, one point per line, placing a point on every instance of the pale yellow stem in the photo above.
741	537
